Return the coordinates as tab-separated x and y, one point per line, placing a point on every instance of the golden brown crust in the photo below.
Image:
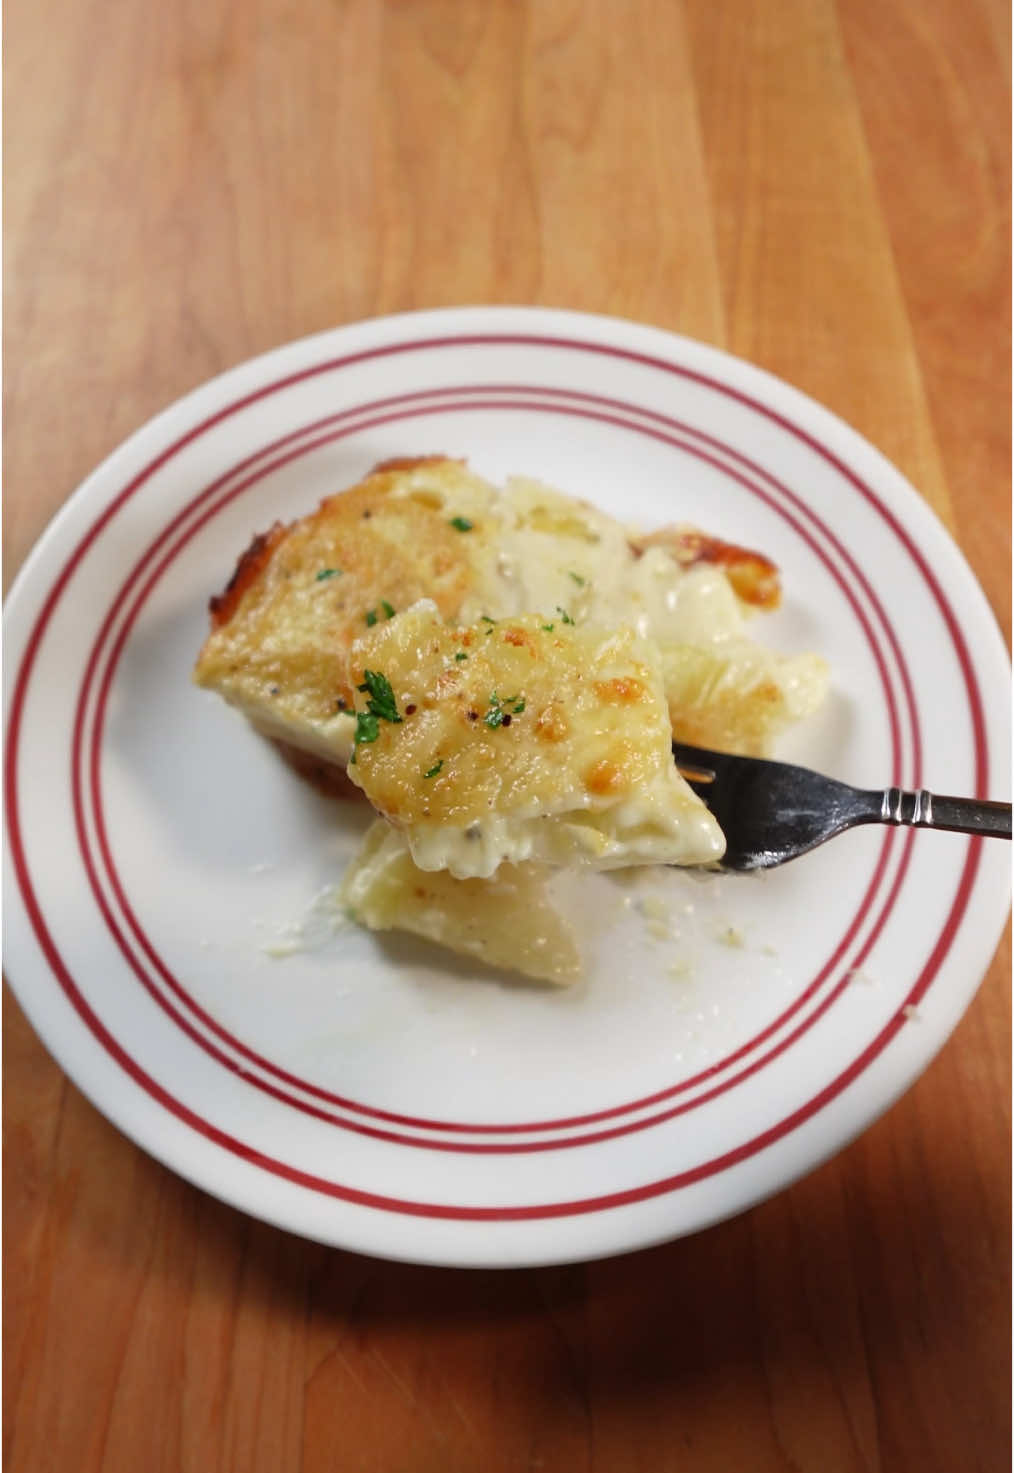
413	462
282	628
250	567
754	577
369	493
521	720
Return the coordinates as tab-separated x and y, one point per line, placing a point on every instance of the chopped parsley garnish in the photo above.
367	729
486	619
564	615
548	627
381	702
327	573
461	655
372	615
434	769
578	579
381	706
462	524
502	708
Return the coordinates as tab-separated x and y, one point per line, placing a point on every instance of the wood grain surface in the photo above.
819	185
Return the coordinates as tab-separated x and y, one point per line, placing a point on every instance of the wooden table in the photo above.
821	187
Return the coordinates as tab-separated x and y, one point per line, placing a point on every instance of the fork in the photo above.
771	812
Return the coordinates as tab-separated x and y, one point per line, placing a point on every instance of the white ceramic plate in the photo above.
733	1031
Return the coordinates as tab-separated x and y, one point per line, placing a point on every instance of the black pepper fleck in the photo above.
411	709
506	721
473	715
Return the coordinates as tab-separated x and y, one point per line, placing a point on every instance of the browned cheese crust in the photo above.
300	594
754	578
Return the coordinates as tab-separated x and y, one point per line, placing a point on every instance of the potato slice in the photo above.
506	922
527	738
738	697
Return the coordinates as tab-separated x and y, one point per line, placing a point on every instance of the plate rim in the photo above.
491	319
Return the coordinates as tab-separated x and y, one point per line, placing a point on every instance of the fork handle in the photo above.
931	811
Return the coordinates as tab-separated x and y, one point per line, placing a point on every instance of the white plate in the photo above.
370	1093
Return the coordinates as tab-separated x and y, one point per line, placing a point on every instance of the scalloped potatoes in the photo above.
502	673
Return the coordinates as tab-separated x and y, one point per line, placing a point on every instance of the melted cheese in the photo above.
527	738
724	690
